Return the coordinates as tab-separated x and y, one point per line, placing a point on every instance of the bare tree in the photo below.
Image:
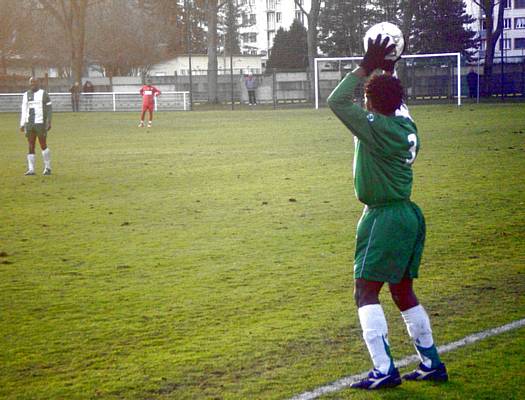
122	48
493	31
313	20
172	19
9	30
71	16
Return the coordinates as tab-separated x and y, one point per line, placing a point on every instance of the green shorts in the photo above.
35	129
389	242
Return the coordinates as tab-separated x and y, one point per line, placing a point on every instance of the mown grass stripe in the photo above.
345	382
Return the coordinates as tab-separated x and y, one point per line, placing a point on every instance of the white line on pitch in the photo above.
346	381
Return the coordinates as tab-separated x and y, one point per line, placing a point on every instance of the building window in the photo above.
301	2
278	17
519	43
299	16
519	23
507	3
271	36
507	23
519	3
252	2
506	44
483	24
252	36
253	19
271	20
270	4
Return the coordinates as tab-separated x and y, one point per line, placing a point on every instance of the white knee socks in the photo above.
375	333
418	327
30	162
46	154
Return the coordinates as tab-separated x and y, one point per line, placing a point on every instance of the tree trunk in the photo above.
71	15
212	10
3	70
408	15
80	28
492	36
313	20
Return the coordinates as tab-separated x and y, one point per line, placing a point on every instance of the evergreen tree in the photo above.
290	48
231	37
343	23
342	27
440	27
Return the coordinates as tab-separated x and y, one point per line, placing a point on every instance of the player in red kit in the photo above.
148	93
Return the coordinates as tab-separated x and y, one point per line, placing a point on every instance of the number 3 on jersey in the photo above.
412	141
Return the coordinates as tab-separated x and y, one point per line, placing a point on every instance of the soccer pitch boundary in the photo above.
345	382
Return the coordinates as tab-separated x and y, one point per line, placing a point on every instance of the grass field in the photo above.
211	256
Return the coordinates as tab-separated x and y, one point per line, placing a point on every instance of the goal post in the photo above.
426	77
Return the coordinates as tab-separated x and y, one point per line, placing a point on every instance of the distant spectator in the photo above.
472	81
75	96
88	88
251	86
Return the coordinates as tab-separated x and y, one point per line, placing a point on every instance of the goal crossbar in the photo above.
325	59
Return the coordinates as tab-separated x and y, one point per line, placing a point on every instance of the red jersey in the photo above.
148	92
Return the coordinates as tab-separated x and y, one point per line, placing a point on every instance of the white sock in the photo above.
418	327
375	333
46	154
30	162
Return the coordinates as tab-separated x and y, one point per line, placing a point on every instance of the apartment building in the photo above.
261	19
513	37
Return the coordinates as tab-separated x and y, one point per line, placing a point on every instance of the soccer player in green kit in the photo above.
391	231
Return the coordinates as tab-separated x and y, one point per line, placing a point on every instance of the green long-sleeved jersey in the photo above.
385	147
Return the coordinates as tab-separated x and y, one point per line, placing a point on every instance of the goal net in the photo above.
427	78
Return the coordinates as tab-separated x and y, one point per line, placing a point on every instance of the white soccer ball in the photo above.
393	32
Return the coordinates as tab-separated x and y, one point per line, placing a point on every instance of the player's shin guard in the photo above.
30	162
375	333
46	155
418	327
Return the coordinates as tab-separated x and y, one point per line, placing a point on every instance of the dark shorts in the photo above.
35	129
390	241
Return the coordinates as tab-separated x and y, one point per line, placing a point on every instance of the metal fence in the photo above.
102	101
425	80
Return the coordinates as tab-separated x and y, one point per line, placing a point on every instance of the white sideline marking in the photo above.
346	381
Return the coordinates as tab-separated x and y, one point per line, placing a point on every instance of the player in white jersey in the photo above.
35	121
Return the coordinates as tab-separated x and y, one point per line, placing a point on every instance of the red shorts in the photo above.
148	107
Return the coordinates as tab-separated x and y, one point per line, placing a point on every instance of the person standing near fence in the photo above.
35	121
148	93
472	81
88	88
251	86
75	96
